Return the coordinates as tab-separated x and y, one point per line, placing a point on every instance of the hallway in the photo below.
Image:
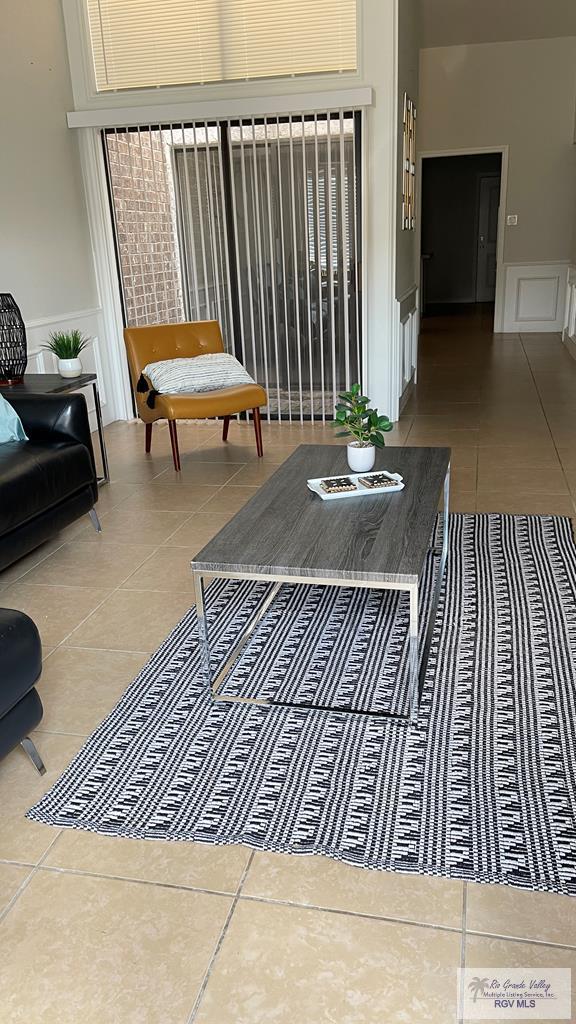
506	405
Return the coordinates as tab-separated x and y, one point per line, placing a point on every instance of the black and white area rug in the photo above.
482	788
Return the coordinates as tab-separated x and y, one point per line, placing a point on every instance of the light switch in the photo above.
512	220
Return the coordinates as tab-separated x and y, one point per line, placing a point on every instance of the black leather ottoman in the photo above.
20	668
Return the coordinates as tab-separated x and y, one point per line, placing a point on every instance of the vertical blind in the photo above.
148	43
255	223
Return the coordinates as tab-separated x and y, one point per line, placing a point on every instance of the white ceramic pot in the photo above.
360	457
69	367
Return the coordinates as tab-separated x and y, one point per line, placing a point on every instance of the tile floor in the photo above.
105	930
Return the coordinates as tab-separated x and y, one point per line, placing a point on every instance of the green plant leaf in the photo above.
67	344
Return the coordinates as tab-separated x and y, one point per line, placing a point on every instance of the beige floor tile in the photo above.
322	882
113	494
539	480
138	952
11	878
511	436
79	687
77	564
165	497
463	501
463	458
229	500
567	457
135	527
196	865
486	953
525	504
20	787
286	964
167	569
564	435
24	565
55	610
278	453
254	474
499	910
465	416
129	468
501	458
209	474
199	529
131	621
570	476
441	438
463	478
226	453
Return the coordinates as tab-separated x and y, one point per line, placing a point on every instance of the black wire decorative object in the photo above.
13	351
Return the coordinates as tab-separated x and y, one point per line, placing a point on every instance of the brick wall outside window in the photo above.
145	214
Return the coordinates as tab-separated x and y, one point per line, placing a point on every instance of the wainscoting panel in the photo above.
534	297
569	327
405	350
89	321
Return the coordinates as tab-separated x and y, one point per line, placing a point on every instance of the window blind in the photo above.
256	223
149	43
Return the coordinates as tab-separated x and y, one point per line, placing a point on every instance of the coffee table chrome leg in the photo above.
414	661
241	644
105	478
202	628
438	584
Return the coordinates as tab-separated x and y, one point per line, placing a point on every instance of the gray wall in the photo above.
408	43
45	251
523	95
449	224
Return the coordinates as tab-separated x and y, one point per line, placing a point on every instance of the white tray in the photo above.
361	491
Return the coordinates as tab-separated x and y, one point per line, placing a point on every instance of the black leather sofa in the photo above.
20	705
50	480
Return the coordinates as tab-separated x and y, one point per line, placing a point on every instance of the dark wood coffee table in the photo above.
286	534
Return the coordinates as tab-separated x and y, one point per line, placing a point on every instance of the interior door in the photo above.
488	203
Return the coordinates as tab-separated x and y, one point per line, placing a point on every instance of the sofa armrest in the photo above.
55	418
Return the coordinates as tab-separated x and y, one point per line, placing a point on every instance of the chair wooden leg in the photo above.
174	442
225	426
148	443
258	432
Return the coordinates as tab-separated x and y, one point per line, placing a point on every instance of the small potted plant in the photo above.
67	346
364	425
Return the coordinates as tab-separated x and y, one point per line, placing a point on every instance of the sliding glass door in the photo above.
257	224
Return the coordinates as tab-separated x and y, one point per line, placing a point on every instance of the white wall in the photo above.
521	95
408	50
45	253
45	249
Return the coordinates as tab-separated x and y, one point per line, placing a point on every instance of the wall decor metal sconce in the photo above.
408	165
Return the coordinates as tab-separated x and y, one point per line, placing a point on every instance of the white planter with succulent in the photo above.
364	425
67	346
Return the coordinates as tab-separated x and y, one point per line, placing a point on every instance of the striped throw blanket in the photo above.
210	372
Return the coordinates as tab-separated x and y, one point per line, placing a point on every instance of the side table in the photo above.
53	384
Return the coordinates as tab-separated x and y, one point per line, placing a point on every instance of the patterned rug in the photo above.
482	788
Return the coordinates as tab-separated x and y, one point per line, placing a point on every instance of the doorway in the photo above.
459	235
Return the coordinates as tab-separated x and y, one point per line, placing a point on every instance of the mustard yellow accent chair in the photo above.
179	341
